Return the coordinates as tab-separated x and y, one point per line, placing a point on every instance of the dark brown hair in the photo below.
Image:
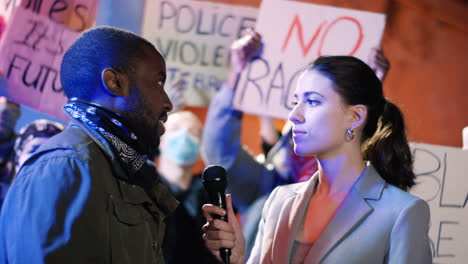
384	141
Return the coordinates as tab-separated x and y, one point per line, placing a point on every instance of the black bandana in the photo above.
108	130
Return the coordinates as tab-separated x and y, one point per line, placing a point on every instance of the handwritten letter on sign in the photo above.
442	181
30	61
294	34
195	38
75	14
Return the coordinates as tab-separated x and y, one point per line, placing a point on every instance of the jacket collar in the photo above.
352	212
349	215
292	211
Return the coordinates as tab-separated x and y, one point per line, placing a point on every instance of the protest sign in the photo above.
78	15
294	34
195	39
34	35
442	181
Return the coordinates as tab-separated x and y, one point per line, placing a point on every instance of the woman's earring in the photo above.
349	134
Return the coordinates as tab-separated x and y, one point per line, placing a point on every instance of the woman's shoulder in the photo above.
400	201
398	195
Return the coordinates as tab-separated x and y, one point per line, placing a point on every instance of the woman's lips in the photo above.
298	133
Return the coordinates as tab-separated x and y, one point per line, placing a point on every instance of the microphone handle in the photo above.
225	253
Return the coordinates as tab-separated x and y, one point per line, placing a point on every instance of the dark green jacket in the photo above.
67	206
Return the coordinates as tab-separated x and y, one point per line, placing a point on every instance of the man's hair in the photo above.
95	50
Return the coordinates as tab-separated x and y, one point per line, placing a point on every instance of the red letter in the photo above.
305	48
358	43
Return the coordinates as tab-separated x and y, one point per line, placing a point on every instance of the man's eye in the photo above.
294	102
160	83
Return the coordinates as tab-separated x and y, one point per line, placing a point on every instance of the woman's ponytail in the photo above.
388	150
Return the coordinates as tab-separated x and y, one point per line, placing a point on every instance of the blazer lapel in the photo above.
351	213
291	213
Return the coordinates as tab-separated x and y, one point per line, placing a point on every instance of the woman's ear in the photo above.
358	116
115	82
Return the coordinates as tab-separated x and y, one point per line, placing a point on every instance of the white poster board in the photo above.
295	34
195	39
442	181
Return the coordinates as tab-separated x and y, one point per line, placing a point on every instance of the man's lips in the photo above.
163	117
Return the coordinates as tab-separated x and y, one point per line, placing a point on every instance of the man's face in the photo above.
149	102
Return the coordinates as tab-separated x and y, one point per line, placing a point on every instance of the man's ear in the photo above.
115	82
358	116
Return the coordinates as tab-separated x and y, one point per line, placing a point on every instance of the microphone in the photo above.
215	183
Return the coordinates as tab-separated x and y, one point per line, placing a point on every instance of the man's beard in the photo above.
145	125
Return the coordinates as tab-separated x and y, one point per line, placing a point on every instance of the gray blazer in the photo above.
376	223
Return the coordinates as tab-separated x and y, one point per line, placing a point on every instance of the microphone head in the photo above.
214	179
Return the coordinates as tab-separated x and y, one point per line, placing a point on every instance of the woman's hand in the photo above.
219	234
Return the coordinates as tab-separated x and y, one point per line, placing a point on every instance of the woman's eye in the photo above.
294	103
313	102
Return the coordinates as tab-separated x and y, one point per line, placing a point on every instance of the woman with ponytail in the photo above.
356	208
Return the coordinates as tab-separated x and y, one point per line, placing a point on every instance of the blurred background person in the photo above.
179	151
9	114
29	138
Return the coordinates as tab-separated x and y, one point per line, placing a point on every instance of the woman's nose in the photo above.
296	116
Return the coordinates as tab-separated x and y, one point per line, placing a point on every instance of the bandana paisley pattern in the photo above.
99	122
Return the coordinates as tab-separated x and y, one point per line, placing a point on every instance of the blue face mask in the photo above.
181	147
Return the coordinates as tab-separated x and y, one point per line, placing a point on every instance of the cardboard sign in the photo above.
31	60
442	181
78	15
195	39
33	38
294	34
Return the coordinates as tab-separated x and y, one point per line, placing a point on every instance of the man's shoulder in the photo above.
72	142
68	152
68	161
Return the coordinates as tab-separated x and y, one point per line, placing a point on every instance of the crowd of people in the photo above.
117	184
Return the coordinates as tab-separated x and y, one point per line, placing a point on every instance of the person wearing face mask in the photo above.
179	151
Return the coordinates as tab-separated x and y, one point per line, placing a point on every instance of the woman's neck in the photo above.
338	174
